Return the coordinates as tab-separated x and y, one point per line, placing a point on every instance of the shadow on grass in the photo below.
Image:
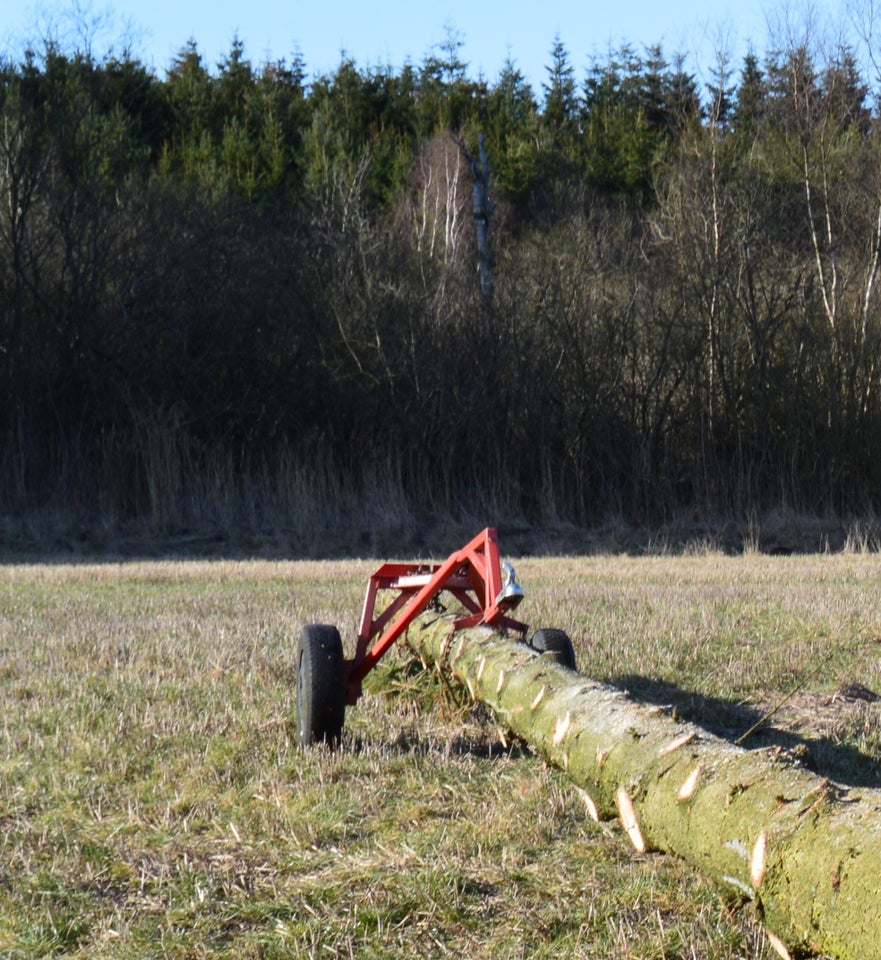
483	746
821	739
828	756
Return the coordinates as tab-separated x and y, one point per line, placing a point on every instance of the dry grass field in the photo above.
153	803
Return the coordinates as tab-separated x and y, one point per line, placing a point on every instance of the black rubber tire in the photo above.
557	642
321	688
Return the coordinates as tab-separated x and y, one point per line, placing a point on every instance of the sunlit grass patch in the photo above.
152	801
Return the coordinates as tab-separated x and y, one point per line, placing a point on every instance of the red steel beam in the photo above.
475	569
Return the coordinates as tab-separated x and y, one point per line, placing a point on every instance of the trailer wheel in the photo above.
321	689
557	642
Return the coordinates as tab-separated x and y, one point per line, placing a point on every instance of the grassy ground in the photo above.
153	804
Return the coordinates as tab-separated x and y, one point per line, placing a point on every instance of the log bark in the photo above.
807	851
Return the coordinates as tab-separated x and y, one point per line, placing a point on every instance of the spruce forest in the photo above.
239	301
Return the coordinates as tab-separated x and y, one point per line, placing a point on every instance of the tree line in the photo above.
235	298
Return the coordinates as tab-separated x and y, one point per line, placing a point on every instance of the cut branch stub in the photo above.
627	813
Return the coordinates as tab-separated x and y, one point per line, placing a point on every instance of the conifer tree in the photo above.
560	100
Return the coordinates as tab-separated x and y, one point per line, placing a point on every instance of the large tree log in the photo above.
806	850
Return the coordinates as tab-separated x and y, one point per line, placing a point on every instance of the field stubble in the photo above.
152	802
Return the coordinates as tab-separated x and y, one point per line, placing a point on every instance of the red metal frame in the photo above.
473	575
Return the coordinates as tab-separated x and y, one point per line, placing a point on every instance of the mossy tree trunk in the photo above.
807	851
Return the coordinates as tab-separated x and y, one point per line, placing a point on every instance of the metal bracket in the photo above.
473	575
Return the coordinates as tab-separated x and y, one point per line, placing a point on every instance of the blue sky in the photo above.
389	32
